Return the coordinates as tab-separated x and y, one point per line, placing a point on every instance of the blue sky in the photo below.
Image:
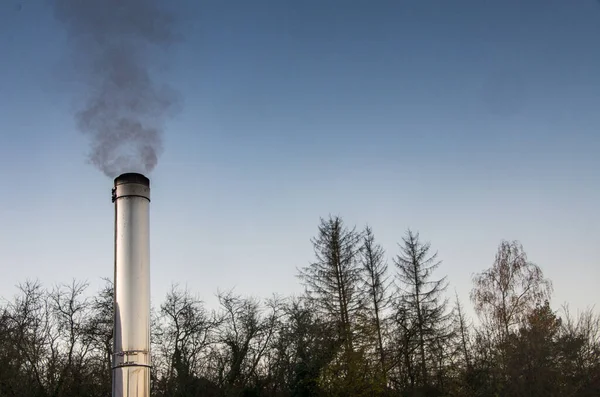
469	121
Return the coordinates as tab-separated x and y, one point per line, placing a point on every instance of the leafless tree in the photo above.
70	345
505	293
580	337
183	331
32	330
246	332
100	333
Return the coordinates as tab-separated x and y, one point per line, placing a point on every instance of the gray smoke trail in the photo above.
124	110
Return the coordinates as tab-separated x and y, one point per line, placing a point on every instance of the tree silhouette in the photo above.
422	299
349	335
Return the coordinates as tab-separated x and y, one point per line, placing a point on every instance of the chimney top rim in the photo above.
132	177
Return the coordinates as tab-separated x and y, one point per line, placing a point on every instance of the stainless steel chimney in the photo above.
131	354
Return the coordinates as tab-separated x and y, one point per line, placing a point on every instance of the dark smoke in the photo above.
113	44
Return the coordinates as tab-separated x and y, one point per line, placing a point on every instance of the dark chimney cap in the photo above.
132	177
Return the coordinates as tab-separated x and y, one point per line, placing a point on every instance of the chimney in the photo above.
131	350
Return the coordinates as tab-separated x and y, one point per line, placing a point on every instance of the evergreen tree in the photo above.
422	298
375	289
332	281
332	284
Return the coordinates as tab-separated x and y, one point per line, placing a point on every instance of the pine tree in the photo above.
332	280
332	284
422	297
375	288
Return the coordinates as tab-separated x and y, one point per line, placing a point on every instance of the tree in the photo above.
311	344
182	333
12	376
245	333
333	285
336	340
375	288
504	296
532	356
71	342
505	293
403	347
332	280
461	350
31	326
52	351
580	352
421	297
462	328
100	331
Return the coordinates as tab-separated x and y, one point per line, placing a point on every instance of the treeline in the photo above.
365	326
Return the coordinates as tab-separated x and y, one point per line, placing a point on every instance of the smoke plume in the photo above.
114	45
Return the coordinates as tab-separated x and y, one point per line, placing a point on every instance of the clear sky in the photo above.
469	121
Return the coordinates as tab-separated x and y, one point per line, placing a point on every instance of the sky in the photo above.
467	121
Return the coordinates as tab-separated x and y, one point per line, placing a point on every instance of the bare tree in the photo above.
245	333
182	333
53	345
100	333
31	325
70	310
309	343
505	293
580	340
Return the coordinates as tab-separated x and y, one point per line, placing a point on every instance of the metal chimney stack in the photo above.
131	354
